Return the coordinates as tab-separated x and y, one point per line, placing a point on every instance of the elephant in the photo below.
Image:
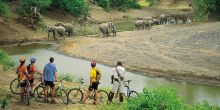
148	24
105	27
139	24
156	21
163	19
60	30
181	16
114	30
68	27
148	18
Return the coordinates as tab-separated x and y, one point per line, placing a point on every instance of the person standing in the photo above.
118	74
32	70
22	77
50	75
93	83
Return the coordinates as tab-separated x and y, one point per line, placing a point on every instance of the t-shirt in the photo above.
49	72
32	70
121	71
93	74
22	71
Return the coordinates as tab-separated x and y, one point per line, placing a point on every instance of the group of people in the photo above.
26	75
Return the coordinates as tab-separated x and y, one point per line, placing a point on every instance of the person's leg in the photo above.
22	94
95	86
52	88
87	94
114	90
121	91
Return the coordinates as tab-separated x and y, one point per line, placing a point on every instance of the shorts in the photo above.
118	86
31	81
23	83
94	86
49	83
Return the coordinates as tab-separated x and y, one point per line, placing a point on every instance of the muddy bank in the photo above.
180	52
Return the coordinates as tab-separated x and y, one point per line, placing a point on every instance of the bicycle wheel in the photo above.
27	98
102	96
132	94
14	86
39	94
75	95
61	94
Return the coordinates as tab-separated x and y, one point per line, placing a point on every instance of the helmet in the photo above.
32	60
22	59
93	63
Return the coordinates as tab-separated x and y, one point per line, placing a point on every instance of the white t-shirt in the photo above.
121	71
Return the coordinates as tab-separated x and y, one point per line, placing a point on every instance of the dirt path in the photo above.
181	51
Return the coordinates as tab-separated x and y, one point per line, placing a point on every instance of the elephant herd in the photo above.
148	22
109	28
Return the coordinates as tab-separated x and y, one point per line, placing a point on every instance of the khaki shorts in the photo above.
118	86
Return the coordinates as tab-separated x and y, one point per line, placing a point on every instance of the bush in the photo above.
151	2
27	4
78	8
122	5
4	10
5	60
205	8
3	103
68	78
161	98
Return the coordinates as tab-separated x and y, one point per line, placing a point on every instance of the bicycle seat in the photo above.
128	81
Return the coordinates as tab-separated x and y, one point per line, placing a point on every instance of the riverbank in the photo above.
177	52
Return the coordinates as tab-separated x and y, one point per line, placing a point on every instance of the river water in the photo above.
193	93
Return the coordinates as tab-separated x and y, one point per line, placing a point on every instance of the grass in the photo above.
161	98
68	78
125	26
5	60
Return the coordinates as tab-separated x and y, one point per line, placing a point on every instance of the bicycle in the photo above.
129	94
60	92
27	91
75	95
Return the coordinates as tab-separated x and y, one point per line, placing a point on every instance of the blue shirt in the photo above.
49	72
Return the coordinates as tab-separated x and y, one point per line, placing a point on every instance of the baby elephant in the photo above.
114	30
60	30
68	27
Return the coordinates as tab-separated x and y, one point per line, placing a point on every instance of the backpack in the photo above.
98	75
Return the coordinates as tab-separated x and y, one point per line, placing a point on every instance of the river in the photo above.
192	92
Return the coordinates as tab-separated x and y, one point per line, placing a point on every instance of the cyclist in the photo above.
22	76
50	75
32	69
118	81
93	83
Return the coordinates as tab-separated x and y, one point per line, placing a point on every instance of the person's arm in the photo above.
56	75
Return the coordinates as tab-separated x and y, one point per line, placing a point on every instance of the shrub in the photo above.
123	5
205	106
5	60
151	2
4	10
78	8
68	78
104	4
27	4
204	8
3	103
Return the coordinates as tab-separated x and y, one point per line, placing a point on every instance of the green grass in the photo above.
68	78
125	26
161	98
5	60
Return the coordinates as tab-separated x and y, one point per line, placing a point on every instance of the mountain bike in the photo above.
129	94
60	92
27	91
75	95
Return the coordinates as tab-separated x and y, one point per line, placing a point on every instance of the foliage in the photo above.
161	98
67	77
3	103
122	5
205	106
204	8
5	60
157	99
78	8
27	4
4	10
151	2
